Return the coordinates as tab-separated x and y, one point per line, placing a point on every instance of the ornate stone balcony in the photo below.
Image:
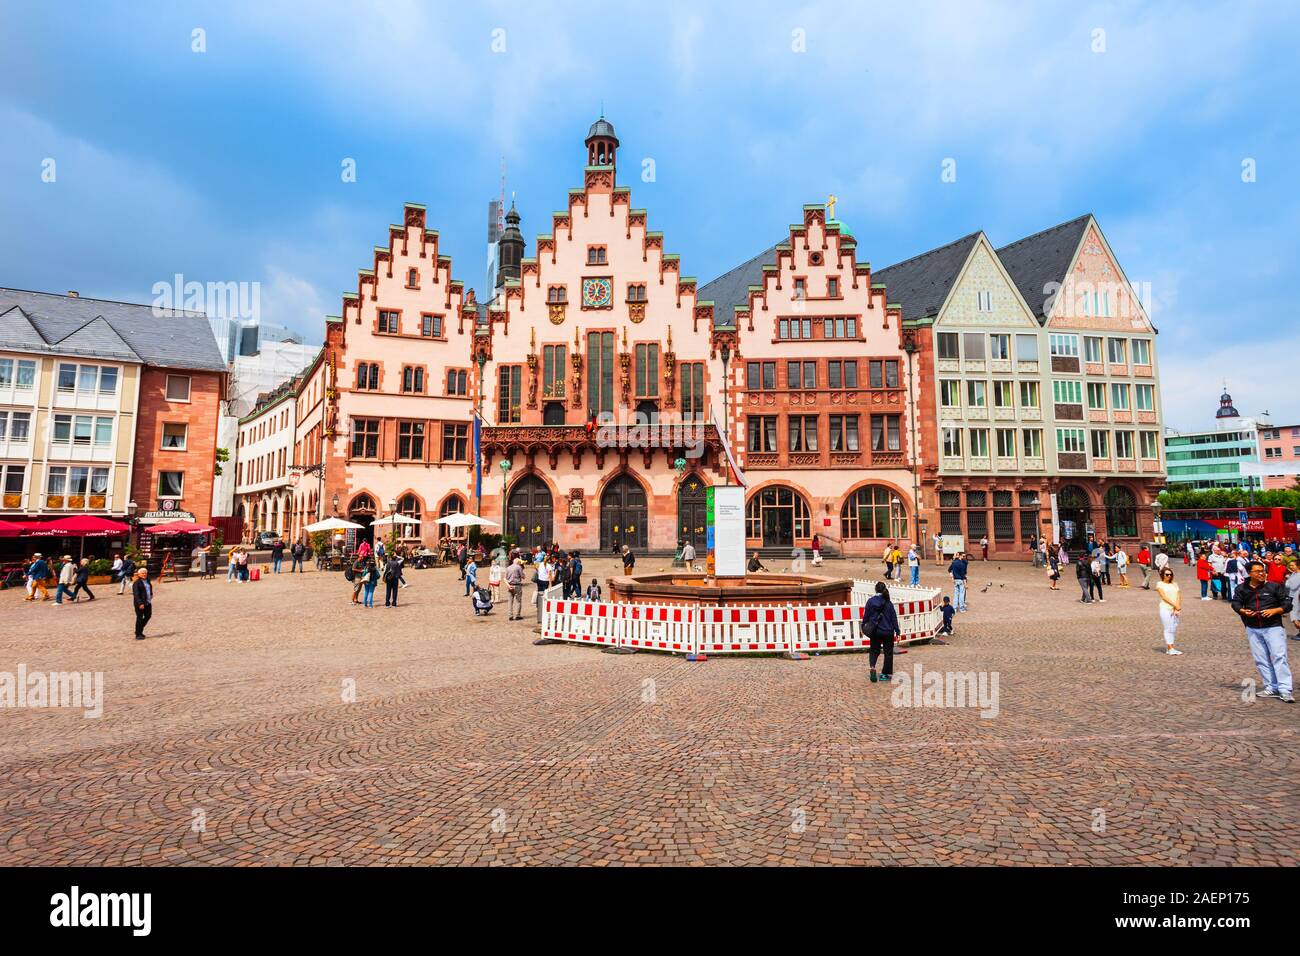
980	464
1000	365
977	414
1033	464
1026	366
1127	464
1031	414
1004	414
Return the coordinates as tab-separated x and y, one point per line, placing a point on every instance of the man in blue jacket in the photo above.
37	574
958	571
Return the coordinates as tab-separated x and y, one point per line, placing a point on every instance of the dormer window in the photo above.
596	256
555	295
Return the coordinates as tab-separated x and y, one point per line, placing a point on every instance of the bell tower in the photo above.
602	144
510	248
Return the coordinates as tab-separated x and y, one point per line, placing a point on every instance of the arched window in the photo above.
874	511
777	516
1121	513
362	504
453	505
409	505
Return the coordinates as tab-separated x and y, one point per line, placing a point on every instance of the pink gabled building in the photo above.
1279	444
396	421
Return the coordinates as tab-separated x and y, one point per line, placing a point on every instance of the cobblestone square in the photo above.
226	738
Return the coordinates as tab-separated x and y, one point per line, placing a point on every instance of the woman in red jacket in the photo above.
1203	574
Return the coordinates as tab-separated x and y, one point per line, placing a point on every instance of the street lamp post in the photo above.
131	509
478	417
725	352
504	465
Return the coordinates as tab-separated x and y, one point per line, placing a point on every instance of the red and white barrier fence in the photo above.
764	629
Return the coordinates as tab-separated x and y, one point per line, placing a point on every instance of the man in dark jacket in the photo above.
296	553
575	575
142	599
1261	603
880	624
392	578
958	570
1083	571
81	580
277	555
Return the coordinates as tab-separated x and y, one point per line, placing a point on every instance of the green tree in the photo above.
223	455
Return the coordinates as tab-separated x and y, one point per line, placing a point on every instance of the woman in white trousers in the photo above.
1171	608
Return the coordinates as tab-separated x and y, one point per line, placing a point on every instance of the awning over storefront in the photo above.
89	526
76	526
180	527
10	529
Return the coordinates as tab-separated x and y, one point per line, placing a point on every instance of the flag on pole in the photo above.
478	459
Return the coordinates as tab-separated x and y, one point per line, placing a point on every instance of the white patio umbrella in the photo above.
463	519
394	519
332	524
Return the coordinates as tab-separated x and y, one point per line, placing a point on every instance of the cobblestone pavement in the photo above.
225	739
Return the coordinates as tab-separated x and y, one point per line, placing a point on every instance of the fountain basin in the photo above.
700	590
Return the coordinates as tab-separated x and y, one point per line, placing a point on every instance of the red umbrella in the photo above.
41	527
88	525
180	527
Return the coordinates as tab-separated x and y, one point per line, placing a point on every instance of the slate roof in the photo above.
732	288
921	284
1036	262
101	328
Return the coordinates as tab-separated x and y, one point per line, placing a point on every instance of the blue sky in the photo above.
225	165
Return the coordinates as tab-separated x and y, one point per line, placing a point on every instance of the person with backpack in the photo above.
880	626
277	555
354	574
369	581
1083	572
575	575
392	578
296	554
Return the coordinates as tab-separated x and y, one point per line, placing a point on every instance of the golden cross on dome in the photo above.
831	200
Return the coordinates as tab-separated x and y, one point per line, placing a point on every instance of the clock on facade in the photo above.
598	293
